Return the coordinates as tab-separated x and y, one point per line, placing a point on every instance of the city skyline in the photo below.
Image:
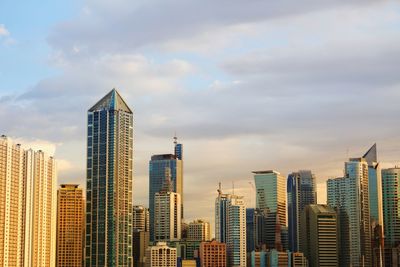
223	95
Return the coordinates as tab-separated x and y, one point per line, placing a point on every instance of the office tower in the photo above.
319	235
391	215
301	191
141	240
157	166
375	204
271	199
167	212
70	225
109	183
161	255
11	201
250	230
230	221
140	218
212	254
349	195
199	230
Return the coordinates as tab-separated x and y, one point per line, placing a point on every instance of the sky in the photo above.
246	85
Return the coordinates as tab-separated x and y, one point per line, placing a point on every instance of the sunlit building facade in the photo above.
109	183
11	203
391	215
141	218
230	218
70	225
271	200
319	236
350	196
199	230
212	254
157	170
161	255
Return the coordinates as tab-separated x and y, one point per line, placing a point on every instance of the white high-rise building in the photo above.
349	195
167	213
28	211
161	255
230	218
140	218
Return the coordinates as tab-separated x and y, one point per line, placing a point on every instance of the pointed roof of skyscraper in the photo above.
112	101
371	155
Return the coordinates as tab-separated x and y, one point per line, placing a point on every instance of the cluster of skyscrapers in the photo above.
42	226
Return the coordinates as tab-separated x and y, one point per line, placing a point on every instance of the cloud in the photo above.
123	26
267	85
3	30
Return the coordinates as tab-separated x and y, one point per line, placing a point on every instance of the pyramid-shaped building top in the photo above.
371	155
112	101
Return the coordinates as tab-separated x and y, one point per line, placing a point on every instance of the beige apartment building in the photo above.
70	225
28	206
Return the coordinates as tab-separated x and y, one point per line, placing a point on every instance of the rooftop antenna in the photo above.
233	188
219	189
175	139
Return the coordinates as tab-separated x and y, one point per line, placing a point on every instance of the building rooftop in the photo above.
111	101
265	172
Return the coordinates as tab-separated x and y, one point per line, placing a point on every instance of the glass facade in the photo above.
157	174
301	191
271	200
391	211
350	196
109	183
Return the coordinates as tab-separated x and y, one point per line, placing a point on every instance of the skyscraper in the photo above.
349	195
70	225
391	215
11	201
157	166
230	225
109	183
271	200
301	191
167	213
318	235
40	209
28	206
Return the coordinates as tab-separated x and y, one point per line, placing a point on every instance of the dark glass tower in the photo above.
301	191
109	183
157	170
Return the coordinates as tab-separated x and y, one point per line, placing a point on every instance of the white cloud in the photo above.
3	30
269	85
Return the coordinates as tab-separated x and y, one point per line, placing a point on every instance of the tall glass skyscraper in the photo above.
230	226
157	172
109	183
301	191
391	214
271	199
350	196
